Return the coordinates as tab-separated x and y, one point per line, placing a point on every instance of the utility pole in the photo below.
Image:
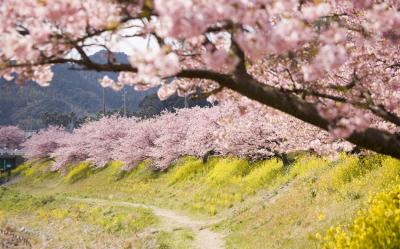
186	101
124	100
104	101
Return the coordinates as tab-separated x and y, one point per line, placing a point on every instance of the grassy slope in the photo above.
51	221
261	204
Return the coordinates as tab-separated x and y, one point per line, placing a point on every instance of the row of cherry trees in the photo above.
224	130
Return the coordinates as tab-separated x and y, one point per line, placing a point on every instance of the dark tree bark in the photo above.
373	139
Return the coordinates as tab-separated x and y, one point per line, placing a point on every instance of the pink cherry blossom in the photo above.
42	144
155	64
313	12
11	137
220	60
225	130
43	75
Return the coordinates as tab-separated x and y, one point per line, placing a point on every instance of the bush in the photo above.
228	169
264	174
305	165
185	170
35	171
349	169
115	169
189	168
376	227
21	169
78	172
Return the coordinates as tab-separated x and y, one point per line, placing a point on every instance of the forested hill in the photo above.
75	91
70	91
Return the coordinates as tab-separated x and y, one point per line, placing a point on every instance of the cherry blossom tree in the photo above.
72	149
101	137
11	137
331	64
40	145
93	142
135	147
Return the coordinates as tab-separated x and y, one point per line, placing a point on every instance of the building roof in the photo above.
8	152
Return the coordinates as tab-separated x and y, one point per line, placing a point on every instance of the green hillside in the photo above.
310	204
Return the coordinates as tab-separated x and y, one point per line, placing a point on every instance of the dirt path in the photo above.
205	238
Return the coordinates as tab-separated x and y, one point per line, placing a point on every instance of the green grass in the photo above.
181	239
78	224
262	204
110	218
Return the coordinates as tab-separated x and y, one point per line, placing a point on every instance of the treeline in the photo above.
221	130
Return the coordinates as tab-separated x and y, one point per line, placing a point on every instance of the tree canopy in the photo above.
332	64
11	137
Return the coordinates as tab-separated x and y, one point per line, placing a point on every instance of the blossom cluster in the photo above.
43	143
223	130
32	31
11	137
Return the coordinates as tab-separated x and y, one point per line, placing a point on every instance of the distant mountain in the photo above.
73	90
151	104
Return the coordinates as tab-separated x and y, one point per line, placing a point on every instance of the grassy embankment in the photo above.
260	205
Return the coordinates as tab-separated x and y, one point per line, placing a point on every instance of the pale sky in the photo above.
117	43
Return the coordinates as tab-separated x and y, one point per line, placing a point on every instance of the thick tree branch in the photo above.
378	110
373	139
86	64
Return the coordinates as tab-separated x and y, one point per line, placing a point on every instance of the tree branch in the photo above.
378	110
373	139
87	65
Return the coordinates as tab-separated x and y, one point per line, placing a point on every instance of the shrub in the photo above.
264	174
185	170
376	227
81	171
116	170
35	171
348	169
22	168
191	167
228	169
305	165
390	171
